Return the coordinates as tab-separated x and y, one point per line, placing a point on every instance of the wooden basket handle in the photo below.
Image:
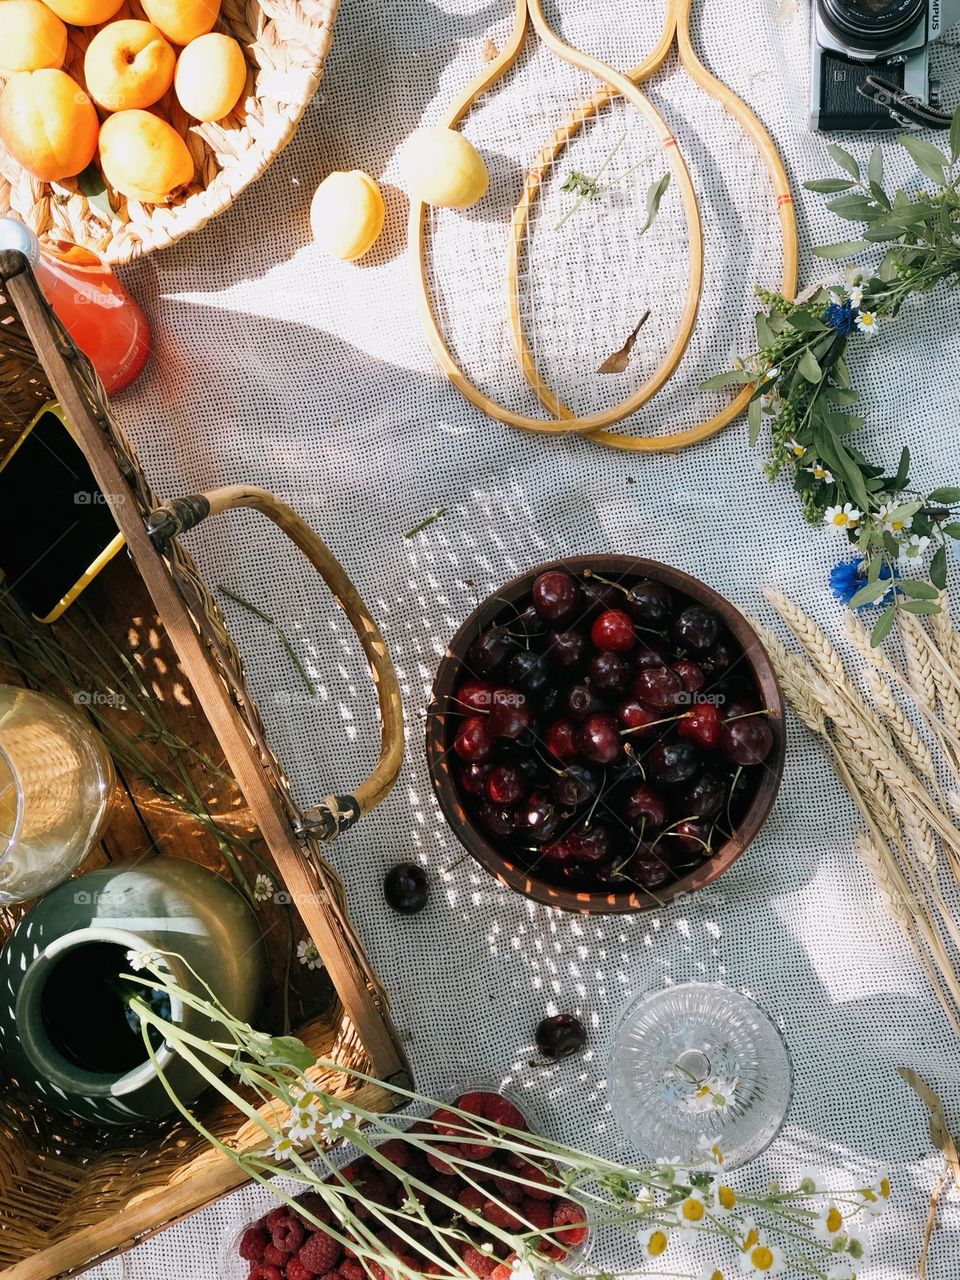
335	813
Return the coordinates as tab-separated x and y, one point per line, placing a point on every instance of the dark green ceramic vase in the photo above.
64	1028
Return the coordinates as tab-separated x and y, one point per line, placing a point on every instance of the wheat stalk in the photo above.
911	743
920	670
946	635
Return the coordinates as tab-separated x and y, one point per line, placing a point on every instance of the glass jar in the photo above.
57	786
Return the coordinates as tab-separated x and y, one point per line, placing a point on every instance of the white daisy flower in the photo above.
711	1149
820	472
711	1272
139	960
692	1210
763	1259
867	322
333	1121
723	1093
857	1243
854	275
829	1225
914	548
809	1181
855	294
667	1170
797	449
723	1200
876	1198
263	888
308	954
842	1271
845	517
282	1148
892	523
654	1241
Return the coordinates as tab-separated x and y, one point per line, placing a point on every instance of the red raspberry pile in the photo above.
286	1245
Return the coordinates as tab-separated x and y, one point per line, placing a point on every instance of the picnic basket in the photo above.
70	1194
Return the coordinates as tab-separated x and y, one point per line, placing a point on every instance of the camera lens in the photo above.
871	23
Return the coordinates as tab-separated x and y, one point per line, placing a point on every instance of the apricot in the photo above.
31	36
347	214
144	157
211	75
182	20
84	13
442	167
48	123
128	65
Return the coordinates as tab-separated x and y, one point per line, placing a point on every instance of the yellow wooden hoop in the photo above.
677	25
622	86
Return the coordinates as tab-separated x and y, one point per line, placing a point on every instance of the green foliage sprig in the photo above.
802	383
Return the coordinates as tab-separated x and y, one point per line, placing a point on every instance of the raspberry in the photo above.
471	1198
396	1152
550	1249
275	1216
255	1240
566	1214
350	1269
501	1216
295	1270
274	1257
481	1264
288	1235
441	1166
320	1253
509	1190
502	1271
539	1213
546	1184
312	1202
265	1273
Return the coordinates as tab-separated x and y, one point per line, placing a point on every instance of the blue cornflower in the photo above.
846	579
842	317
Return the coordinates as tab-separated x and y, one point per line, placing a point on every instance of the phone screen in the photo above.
55	524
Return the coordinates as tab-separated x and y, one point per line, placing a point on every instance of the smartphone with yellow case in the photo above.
56	530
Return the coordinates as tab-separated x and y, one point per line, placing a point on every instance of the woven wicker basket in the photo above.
286	43
70	1194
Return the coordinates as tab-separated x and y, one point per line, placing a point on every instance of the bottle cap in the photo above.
14	235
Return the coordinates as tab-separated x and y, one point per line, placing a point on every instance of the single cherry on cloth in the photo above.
614	631
556	597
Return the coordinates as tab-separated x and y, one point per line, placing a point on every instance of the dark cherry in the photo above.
406	888
747	741
473	778
644	806
721	658
581	701
528	671
509	714
633	715
506	784
702	725
658	687
649	868
650	602
673	762
489	652
696	629
613	875
589	841
691	836
739	702
475	694
601	595
566	649
556	596
703	797
613	630
499	820
473	740
691	673
600	738
557	851
549	701
563	740
531	622
650	653
538	816
577	784
610	673
560	1036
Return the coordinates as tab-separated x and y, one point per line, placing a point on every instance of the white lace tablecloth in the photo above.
278	367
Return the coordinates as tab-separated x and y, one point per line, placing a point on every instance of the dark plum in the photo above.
609	673
673	761
560	1036
600	738
406	888
556	597
696	629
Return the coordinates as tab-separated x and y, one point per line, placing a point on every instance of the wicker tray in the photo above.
70	1194
286	43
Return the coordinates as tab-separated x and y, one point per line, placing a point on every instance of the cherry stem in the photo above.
745	715
652	724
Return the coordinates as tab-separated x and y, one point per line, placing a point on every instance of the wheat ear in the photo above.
907	734
946	634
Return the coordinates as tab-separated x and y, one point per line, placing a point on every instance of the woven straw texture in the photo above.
285	43
276	366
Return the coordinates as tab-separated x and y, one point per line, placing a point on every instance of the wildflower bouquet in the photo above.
462	1193
803	384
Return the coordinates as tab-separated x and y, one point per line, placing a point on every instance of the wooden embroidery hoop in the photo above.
596	426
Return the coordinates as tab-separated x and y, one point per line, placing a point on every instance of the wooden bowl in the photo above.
441	727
